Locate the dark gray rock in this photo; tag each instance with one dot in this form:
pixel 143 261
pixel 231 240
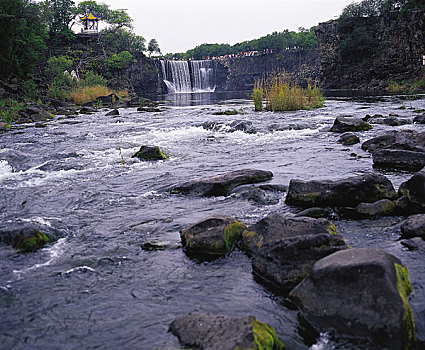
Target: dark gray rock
pixel 107 101
pixel 242 125
pixel 211 237
pixel 415 243
pixel 414 192
pixel 414 226
pixel 112 113
pixel 406 139
pixel 149 153
pixel 256 194
pixel 399 159
pixel 345 124
pixel 55 103
pixel 149 109
pixel 221 185
pixel 348 192
pixel 316 213
pixel 217 332
pixel 348 139
pixel 384 207
pixel 87 110
pixel 28 239
pixel 160 245
pixel 89 104
pixel 33 109
pixel 420 119
pixel 375 116
pixel 360 293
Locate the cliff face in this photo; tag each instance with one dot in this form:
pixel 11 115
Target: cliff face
pixel 392 53
pixel 241 74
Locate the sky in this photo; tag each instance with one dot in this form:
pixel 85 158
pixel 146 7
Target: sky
pixel 180 25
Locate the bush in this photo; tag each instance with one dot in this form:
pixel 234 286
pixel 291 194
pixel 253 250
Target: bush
pixel 10 109
pixel 257 95
pixel 93 79
pixel 88 93
pixel 57 65
pixel 119 61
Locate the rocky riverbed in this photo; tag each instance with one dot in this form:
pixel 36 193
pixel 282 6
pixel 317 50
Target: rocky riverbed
pixel 99 248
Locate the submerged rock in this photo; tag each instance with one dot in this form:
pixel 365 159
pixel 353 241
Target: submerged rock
pixel 221 185
pixel 345 124
pixel 213 332
pixel 399 159
pixel 348 139
pixel 348 192
pixel 211 237
pixel 414 226
pixel 27 239
pixel 149 153
pixel 360 293
pixel 227 112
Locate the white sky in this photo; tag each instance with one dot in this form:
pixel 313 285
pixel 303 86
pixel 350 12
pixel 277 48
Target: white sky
pixel 179 25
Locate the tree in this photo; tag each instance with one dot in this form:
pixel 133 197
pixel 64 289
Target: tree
pixel 153 46
pixel 59 17
pixel 22 38
pixel 120 39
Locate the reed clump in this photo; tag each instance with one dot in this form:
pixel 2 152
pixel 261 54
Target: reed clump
pixel 281 94
pixel 88 93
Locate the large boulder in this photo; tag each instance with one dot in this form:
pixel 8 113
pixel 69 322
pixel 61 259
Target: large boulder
pixel 348 192
pixel 348 139
pixel 106 101
pixel 149 153
pixel 407 140
pixel 414 226
pixel 384 207
pixel 219 332
pixel 399 159
pixel 211 237
pixel 221 185
pixel 360 293
pixel 284 249
pixel 345 124
pixel 412 193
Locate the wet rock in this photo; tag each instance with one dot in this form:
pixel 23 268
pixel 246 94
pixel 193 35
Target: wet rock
pixel 40 125
pixel 348 192
pixel 33 109
pixel 414 226
pixel 345 124
pixel 415 243
pixel 384 207
pixel 227 112
pixel 414 192
pixel 56 103
pixel 88 110
pixel 406 139
pixel 360 293
pixel 213 332
pixel 89 104
pixel 221 185
pixel 378 142
pixel 375 116
pixel 316 213
pixel 27 239
pixel 106 101
pixel 211 237
pixel 149 153
pixel 256 194
pixel 242 125
pixel 112 113
pixel 348 139
pixel 149 109
pixel 420 119
pixel 4 126
pixel 160 245
pixel 399 159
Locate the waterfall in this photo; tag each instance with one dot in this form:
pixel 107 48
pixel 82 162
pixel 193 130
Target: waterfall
pixel 188 76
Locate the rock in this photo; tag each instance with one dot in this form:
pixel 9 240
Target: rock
pixel 348 192
pixel 27 239
pixel 87 110
pixel 149 109
pixel 221 185
pixel 211 237
pixel 149 153
pixel 316 213
pixel 420 119
pixel 414 192
pixel 398 159
pixel 11 88
pixel 414 226
pixel 378 142
pixel 106 101
pixel 56 103
pixel 160 245
pixel 89 104
pixel 256 194
pixel 4 126
pixel 227 112
pixel 40 125
pixel 344 124
pixel 348 139
pixel 214 332
pixel 375 116
pixel 114 112
pixel 33 109
pixel 275 227
pixel 360 293
pixel 406 139
pixel 415 243
pixel 242 125
pixel 384 207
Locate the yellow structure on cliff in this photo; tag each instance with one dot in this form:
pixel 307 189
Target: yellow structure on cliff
pixel 90 23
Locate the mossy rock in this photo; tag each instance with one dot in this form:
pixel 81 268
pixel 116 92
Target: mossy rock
pixel 149 153
pixel 31 241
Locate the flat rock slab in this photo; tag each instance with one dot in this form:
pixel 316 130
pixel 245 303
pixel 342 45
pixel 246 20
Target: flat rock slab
pixel 218 332
pixel 360 293
pixel 406 139
pixel 221 185
pixel 348 192
pixel 414 226
pixel 345 124
pixel 211 237
pixel 384 207
pixel 399 159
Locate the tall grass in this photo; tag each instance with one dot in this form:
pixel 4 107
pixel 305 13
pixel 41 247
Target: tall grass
pixel 282 95
pixel 88 93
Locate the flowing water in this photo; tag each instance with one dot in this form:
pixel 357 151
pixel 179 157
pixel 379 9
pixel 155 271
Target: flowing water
pixel 96 287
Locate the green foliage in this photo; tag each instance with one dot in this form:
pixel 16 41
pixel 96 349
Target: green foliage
pixel 59 16
pixel 22 38
pixel 57 65
pixel 358 45
pixel 93 79
pixel 153 46
pixel 257 96
pixel 117 40
pixel 119 61
pixel 10 109
pixel 369 8
pixel 29 88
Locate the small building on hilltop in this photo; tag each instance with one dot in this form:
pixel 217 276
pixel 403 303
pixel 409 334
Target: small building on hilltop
pixel 90 23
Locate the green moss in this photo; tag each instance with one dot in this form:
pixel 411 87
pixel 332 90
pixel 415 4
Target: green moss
pixel 29 244
pixel 231 232
pixel 404 289
pixel 388 208
pixel 265 337
pixel 307 197
pixel 332 229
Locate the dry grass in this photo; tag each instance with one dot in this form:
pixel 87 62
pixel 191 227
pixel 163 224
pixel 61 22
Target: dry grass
pixel 88 93
pixel 282 95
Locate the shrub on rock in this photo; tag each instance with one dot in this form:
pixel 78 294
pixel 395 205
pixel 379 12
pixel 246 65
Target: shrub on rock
pixel 208 332
pixel 360 293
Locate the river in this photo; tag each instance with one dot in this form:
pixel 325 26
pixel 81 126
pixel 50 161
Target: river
pixel 96 287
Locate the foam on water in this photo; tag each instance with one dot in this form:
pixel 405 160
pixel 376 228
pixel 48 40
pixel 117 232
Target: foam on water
pixel 6 170
pixel 324 342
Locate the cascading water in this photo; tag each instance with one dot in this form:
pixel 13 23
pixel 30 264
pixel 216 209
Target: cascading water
pixel 188 76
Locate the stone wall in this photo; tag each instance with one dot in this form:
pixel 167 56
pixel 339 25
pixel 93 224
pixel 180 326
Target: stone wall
pixel 396 57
